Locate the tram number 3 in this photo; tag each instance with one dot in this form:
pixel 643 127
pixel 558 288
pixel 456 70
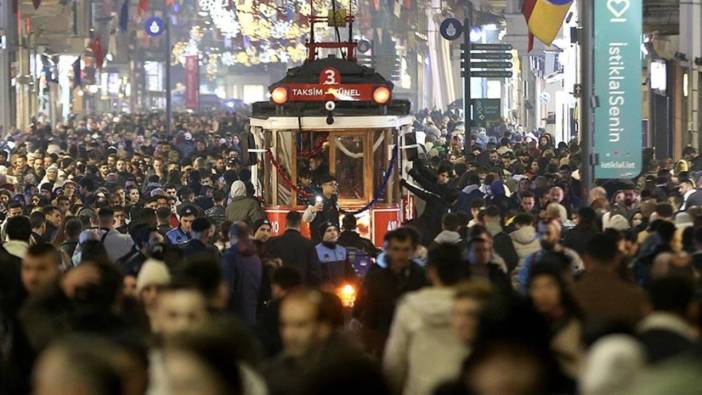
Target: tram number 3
pixel 330 76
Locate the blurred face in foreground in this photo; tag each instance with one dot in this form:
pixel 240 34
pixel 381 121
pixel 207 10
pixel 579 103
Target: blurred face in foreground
pixel 38 272
pixel 186 374
pixel 178 311
pixel 299 327
pixel 465 318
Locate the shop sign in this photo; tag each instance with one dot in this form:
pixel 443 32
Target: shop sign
pixel 617 131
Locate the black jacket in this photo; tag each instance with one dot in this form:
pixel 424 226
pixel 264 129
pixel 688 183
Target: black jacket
pixel 351 239
pixel 429 223
pixel 296 251
pixel 380 292
pixel 578 238
pixel 198 248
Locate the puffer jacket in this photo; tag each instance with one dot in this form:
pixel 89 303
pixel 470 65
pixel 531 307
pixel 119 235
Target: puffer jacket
pixel 525 241
pixel 422 352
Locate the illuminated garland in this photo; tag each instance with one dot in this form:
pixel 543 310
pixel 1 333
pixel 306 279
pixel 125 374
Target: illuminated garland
pixel 284 176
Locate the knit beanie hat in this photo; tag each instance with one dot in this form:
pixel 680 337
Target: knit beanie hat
pixel 153 272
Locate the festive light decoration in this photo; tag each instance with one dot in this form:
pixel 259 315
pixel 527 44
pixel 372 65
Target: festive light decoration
pixel 268 31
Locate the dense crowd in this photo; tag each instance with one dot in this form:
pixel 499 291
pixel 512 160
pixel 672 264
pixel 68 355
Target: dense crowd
pixel 135 261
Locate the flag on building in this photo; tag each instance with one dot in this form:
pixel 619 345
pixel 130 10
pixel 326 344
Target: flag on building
pixel 124 16
pixel 77 78
pixel 96 46
pixel 545 18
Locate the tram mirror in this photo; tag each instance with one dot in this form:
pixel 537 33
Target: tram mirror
pixel 248 142
pixel 411 140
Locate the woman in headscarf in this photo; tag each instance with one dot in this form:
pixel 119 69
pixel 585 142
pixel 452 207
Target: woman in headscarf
pixel 242 205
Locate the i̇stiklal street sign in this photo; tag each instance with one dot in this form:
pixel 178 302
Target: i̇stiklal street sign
pixel 617 133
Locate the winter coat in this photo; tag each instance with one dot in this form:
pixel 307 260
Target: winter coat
pixel 467 196
pixel 296 251
pixel 242 271
pixel 334 264
pixel 244 209
pixel 525 241
pixel 422 351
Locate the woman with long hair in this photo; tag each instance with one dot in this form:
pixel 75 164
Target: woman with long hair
pixel 550 297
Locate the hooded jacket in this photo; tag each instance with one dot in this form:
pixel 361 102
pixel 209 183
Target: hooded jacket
pixel 242 270
pixel 525 241
pixel 242 207
pixel 422 352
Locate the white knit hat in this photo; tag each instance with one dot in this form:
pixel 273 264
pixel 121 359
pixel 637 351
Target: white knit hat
pixel 152 272
pixel 618 222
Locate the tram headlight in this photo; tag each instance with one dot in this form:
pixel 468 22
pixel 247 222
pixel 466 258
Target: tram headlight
pixel 330 106
pixel 381 95
pixel 279 95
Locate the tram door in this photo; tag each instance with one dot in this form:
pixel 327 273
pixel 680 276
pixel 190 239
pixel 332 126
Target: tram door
pixel 350 161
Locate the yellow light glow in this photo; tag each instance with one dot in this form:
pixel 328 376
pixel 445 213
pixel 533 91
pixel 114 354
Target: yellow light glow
pixel 279 95
pixel 381 95
pixel 347 294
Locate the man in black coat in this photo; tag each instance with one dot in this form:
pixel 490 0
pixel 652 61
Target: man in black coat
pixel 295 250
pixel 385 285
pixel 202 231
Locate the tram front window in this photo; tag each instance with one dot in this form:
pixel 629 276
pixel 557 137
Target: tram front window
pixel 349 167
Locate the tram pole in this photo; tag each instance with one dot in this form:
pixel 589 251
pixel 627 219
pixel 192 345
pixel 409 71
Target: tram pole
pixel 167 65
pixel 586 102
pixel 467 115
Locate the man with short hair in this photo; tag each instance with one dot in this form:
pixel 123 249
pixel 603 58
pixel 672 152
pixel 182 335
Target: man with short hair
pixel 450 225
pixel 217 214
pixel 19 233
pixel 72 236
pixel 295 250
pixel 38 220
pixel 333 258
pixel 181 234
pixel 117 245
pixel 324 210
pixel 601 293
pixel 349 238
pixel 284 280
pixel 40 268
pixel 179 308
pixel 384 286
pixel 502 243
pixel 163 216
pixel 202 231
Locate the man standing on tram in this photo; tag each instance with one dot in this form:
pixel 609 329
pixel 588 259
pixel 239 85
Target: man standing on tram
pixel 325 209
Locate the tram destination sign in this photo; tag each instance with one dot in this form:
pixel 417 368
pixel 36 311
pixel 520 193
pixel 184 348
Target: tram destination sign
pixel 321 92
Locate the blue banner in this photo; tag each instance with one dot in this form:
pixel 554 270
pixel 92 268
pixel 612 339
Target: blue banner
pixel 617 132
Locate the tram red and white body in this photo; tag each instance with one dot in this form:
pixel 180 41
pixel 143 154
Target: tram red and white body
pixel 344 112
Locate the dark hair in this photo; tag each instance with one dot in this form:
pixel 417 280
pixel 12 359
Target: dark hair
pixel 37 220
pixel 163 213
pixel 94 251
pixel 523 219
pixel 73 227
pixel 526 194
pixel 201 271
pixel 105 213
pixel 555 271
pixel 664 210
pixel 201 224
pixel 293 219
pixel 671 294
pixel 44 249
pixel 445 168
pixel 49 209
pixel 349 222
pixel 447 260
pixel 218 196
pixel 286 277
pixel 403 234
pixel 603 249
pixel 451 222
pixel 19 228
pixel 588 216
pixel 492 212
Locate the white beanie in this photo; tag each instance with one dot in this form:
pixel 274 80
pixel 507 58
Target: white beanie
pixel 611 365
pixel 618 222
pixel 238 189
pixel 152 272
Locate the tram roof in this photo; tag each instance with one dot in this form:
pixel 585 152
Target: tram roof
pixel 351 73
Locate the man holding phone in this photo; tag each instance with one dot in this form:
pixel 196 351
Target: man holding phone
pixel 325 209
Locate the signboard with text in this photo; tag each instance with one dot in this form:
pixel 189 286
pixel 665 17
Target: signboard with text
pixel 617 57
pixel 192 81
pixel 486 111
pixel 330 87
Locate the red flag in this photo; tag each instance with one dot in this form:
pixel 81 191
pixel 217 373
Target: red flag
pixel 36 3
pixel 96 47
pixel 170 3
pixel 143 7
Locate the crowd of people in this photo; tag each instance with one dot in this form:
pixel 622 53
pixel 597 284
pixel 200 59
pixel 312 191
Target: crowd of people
pixel 135 261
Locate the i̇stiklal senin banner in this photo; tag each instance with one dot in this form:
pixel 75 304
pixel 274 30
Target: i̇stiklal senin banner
pixel 617 133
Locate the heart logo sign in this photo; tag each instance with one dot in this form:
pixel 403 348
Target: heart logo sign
pixel 618 7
